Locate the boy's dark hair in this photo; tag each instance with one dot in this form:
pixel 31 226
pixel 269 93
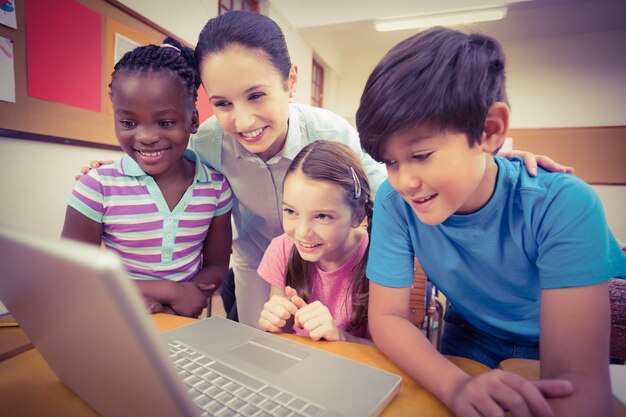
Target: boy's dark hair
pixel 440 76
pixel 249 29
pixel 170 57
pixel 336 163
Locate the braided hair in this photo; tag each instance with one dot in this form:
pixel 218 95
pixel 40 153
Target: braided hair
pixel 170 57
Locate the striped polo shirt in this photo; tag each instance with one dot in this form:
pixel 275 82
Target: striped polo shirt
pixel 153 241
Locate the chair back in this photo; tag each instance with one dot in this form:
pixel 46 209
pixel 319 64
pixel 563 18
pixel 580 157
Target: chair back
pixel 417 303
pixel 617 296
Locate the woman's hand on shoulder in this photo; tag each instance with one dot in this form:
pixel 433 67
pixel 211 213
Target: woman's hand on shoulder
pixel 531 161
pixel 496 392
pixel 92 165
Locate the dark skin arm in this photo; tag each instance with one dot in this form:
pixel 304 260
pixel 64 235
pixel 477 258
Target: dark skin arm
pixel 80 227
pixel 190 298
pixel 185 298
pixel 77 226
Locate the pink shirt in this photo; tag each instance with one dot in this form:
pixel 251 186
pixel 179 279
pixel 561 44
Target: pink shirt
pixel 330 288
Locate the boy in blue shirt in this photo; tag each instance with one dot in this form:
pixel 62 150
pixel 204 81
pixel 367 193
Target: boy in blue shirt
pixel 517 256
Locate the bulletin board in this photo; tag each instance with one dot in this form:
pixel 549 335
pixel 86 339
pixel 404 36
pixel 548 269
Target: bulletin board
pixel 63 52
pixel 598 154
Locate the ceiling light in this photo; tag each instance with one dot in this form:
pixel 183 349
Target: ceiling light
pixel 440 19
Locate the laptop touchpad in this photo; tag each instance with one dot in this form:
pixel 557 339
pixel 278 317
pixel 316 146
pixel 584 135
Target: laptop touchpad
pixel 272 357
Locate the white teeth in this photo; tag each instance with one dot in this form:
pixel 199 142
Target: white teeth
pixel 252 134
pixel 150 154
pixel 422 200
pixel 308 245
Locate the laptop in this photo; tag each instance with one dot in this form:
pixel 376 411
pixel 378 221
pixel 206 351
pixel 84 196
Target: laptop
pixel 88 321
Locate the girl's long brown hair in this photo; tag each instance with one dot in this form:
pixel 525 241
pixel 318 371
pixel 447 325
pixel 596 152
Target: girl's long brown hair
pixel 334 162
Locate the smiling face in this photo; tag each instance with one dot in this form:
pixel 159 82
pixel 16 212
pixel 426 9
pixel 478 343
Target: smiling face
pixel 154 117
pixel 438 174
pixel 319 221
pixel 250 98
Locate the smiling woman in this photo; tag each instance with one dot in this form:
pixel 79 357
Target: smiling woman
pixel 255 134
pixel 250 98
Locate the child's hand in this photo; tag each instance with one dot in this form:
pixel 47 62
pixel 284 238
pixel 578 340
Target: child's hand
pixel 315 318
pixel 190 298
pixel 496 392
pixel 92 165
pixel 276 312
pixel 153 305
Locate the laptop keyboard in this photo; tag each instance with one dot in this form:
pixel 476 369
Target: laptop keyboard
pixel 221 391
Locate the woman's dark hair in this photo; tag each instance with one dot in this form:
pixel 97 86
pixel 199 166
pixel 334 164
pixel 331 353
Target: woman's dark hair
pixel 336 163
pixel 440 76
pixel 249 29
pixel 170 57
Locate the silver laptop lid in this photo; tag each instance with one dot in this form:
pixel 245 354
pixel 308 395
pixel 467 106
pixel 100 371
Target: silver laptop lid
pixel 88 321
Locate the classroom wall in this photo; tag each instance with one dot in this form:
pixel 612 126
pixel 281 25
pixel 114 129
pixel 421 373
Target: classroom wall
pixel 300 53
pixel 564 81
pixel 36 179
pixel 568 81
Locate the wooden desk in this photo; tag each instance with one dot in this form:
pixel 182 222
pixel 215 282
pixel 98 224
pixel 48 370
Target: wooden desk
pixel 28 387
pixel 13 341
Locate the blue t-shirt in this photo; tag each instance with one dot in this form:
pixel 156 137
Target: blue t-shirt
pixel 534 233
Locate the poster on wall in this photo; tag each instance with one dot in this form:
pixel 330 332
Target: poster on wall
pixel 123 45
pixel 71 74
pixel 120 39
pixel 7 71
pixel 7 13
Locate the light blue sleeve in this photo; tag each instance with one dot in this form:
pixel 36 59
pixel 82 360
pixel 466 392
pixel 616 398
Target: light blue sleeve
pixel 376 172
pixel 207 143
pixel 575 245
pixel 87 197
pixel 225 200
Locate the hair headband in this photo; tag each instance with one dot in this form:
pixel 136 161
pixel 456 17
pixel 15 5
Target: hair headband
pixel 167 45
pixel 357 184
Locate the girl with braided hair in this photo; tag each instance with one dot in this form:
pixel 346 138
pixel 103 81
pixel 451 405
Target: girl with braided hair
pixel 159 208
pixel 316 269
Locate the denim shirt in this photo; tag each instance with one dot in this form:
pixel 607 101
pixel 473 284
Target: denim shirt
pixel 258 185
